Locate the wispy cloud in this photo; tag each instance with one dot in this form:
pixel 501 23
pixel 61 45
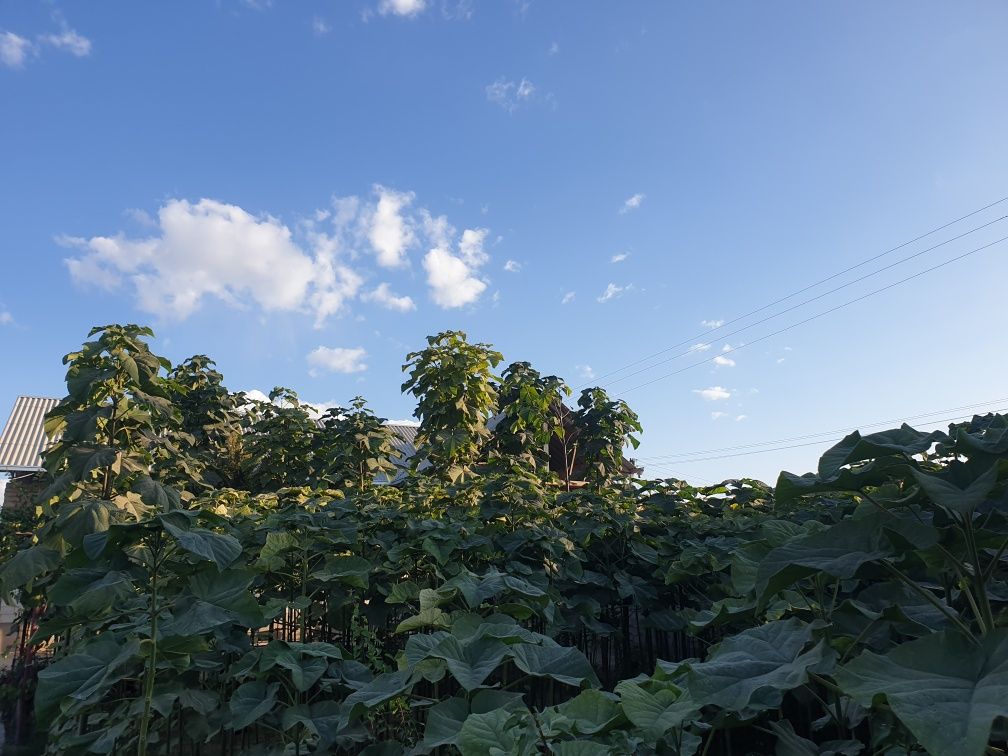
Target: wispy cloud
pixel 320 27
pixel 512 266
pixel 510 95
pixel 700 347
pixel 722 361
pixel 618 258
pixel 568 298
pixel 383 295
pixel 632 203
pixel 712 323
pixel 717 415
pixel 5 317
pixel 554 48
pixel 402 8
pixel 336 360
pixel 713 394
pixel 740 418
pixel 612 291
pixel 585 372
pixel 14 49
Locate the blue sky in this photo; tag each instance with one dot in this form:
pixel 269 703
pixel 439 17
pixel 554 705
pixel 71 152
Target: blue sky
pixel 305 190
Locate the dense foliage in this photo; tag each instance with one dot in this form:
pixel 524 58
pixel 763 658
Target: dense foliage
pixel 218 575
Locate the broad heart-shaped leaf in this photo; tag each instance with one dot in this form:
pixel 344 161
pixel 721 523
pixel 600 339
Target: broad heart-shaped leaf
pixel 655 712
pixel 497 733
pixel 561 663
pixel 588 713
pixel 82 675
pixel 791 744
pixel 87 591
pixel 156 494
pixel 81 518
pixel 874 473
pixel 838 552
pixel 251 701
pixel 220 549
pixel 946 690
pixel 229 590
pixel 948 495
pixel 470 662
pixel 751 671
pixel 349 570
pixel 444 721
pixel 26 565
pixel 903 441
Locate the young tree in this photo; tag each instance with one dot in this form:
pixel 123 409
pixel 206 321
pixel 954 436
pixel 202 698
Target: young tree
pixel 352 446
pixel 116 424
pixel 210 415
pixel 605 427
pixel 531 415
pixel 454 383
pixel 280 439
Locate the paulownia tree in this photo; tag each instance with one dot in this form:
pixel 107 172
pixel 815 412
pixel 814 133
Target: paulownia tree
pixel 531 416
pixel 605 427
pixel 455 385
pixel 352 446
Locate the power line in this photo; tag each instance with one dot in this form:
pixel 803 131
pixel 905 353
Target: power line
pixel 807 443
pixel 818 315
pixel 846 429
pixel 805 302
pixel 805 288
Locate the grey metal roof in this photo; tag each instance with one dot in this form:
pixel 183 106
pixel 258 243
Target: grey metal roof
pixel 23 439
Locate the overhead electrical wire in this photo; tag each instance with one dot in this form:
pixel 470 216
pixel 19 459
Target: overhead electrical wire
pixel 797 446
pixel 818 315
pixel 673 458
pixel 795 293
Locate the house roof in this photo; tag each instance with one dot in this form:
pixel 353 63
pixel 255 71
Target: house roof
pixel 24 440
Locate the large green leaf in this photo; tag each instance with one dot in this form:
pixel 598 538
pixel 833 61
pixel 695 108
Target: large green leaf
pixel 751 671
pixel 497 733
pixel 26 565
pixel 221 549
pixel 87 591
pixel 945 689
pixel 839 552
pixel 251 701
pixel 949 495
pixel 561 663
pixel 658 711
pixel 444 721
pixel 82 675
pixel 470 662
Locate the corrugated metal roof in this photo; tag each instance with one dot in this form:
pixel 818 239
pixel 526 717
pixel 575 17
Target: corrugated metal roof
pixel 23 439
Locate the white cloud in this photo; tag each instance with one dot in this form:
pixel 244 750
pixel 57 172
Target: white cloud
pixel 632 203
pixel 585 371
pixel 722 361
pixel 209 249
pixel 780 360
pixel 568 298
pixel 712 323
pixel 619 258
pixel 471 246
pixel 461 10
pixel 510 95
pixel 612 291
pixel 714 393
pixel 717 415
pixel 336 360
pixel 319 26
pixel 452 280
pixel 68 40
pixel 384 296
pixel 389 232
pixel 512 266
pixel 740 418
pixel 204 249
pixel 405 8
pixel 700 347
pixel 726 348
pixel 14 49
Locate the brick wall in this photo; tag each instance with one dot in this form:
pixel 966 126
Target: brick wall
pixel 21 491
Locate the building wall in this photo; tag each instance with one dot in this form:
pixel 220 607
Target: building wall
pixel 21 491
